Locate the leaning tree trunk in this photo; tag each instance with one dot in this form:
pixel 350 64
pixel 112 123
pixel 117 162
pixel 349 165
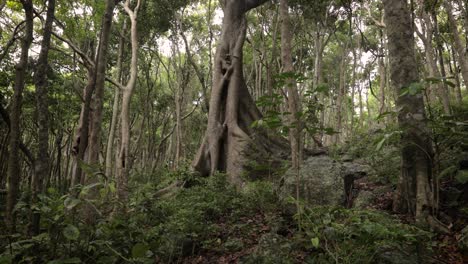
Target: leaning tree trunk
pixel 13 171
pixel 414 193
pixel 229 134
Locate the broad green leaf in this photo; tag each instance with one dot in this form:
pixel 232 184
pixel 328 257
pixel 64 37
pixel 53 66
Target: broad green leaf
pixel 6 259
pixel 448 171
pixel 381 116
pixel 139 250
pixel 451 84
pixel 415 88
pixel 315 242
pixel 380 144
pixel 71 202
pixel 71 232
pixel 462 177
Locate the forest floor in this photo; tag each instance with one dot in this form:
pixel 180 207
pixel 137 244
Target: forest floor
pixel 246 235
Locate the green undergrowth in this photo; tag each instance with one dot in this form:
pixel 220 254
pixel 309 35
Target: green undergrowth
pixel 341 235
pixel 210 220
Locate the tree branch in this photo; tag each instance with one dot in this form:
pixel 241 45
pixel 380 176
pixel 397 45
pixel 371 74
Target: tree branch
pixel 11 41
pixel 2 5
pixel 6 117
pixel 88 62
pixel 116 83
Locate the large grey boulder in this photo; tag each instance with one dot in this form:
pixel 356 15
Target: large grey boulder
pixel 323 180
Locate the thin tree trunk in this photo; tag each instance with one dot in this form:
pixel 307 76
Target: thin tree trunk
pixel 361 107
pixel 383 75
pixel 341 96
pixel 455 73
pixel 14 169
pixel 115 107
pixel 293 95
pixel 461 51
pixel 123 163
pixel 42 102
pixel 444 92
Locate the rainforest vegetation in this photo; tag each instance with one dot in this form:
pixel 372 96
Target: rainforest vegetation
pixel 234 131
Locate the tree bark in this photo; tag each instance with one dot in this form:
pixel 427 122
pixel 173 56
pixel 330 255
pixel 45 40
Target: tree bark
pixel 115 106
pixel 431 59
pixel 232 109
pixel 123 163
pixel 100 77
pixel 293 95
pixel 82 134
pixel 455 73
pixel 14 170
pixel 461 52
pixel 444 91
pixel 42 107
pixel 414 192
pixel 341 96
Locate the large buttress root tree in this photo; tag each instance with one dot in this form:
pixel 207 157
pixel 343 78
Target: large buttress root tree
pixel 229 135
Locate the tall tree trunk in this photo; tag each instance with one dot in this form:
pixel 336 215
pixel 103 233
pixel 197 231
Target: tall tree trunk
pixel 429 32
pixel 361 107
pixel 232 109
pixel 100 77
pixel 293 95
pixel 455 73
pixel 200 74
pixel 461 52
pixel 81 140
pixel 270 64
pixel 14 170
pixel 123 163
pixel 42 160
pixel 414 192
pixel 319 44
pixel 341 96
pixel 444 92
pixel 382 74
pixel 115 106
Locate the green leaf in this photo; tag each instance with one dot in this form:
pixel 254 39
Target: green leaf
pixel 330 131
pixel 415 88
pixel 139 250
pixel 6 259
pixel 380 144
pixel 71 232
pixel 381 116
pixel 449 83
pixel 404 91
pixel 462 177
pixel 315 242
pixel 323 88
pixel 450 171
pixel 71 202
